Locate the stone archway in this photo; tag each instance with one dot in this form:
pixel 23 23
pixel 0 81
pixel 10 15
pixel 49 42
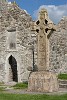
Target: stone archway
pixel 13 76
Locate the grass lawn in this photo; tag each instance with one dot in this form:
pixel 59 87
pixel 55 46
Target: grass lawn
pixel 62 76
pixel 32 97
pixel 21 86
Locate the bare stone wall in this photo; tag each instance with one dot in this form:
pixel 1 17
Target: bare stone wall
pixel 16 18
pixel 58 47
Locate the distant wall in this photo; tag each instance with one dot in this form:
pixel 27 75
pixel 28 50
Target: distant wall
pixel 58 47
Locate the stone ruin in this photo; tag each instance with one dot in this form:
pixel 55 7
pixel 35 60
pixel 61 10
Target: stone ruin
pixel 27 46
pixel 15 43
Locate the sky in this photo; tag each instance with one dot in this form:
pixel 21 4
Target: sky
pixel 56 8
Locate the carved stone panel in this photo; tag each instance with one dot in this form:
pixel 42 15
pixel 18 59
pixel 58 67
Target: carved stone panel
pixel 43 81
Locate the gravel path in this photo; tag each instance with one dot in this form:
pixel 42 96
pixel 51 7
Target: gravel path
pixel 9 89
pixel 25 91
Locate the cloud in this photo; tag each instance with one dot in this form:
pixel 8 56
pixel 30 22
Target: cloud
pixel 55 12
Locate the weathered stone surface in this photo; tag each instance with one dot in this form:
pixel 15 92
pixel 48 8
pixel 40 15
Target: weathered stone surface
pixel 15 40
pixel 58 48
pixel 43 28
pixel 43 81
pixel 16 26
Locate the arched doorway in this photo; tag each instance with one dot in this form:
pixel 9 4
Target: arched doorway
pixel 13 69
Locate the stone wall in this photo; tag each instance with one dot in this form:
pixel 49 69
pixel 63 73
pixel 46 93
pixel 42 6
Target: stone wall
pixel 58 47
pixel 15 18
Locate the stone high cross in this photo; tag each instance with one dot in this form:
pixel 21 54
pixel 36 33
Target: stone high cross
pixel 43 27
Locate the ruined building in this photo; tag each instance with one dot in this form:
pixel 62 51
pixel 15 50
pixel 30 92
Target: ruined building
pixel 18 43
pixel 15 43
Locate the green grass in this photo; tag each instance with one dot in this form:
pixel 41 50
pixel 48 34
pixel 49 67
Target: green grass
pixel 21 86
pixel 2 88
pixel 32 97
pixel 62 76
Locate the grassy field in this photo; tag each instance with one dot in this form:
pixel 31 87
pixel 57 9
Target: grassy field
pixel 32 97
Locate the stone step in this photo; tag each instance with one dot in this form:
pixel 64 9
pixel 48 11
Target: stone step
pixel 62 85
pixel 62 81
pixel 3 86
pixel 10 83
pixel 8 86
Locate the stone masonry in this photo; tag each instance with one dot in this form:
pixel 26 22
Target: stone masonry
pixel 58 48
pixel 18 44
pixel 43 81
pixel 15 42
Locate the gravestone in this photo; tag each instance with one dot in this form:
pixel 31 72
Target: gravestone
pixel 43 80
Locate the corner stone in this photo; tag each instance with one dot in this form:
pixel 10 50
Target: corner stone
pixel 43 82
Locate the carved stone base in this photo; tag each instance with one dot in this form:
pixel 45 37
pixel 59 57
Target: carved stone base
pixel 43 81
